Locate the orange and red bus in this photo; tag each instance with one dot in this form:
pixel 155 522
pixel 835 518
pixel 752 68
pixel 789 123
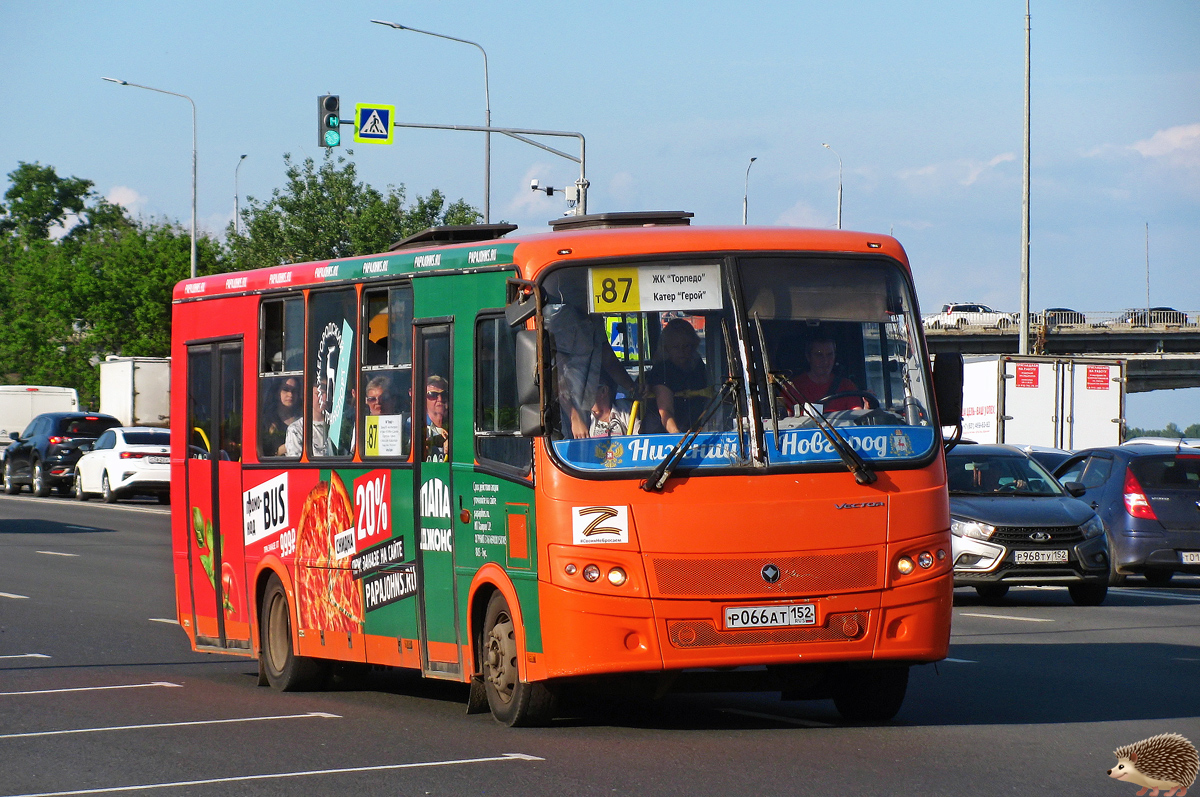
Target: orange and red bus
pixel 522 462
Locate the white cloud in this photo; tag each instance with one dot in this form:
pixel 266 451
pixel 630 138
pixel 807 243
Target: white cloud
pixel 622 188
pixel 526 202
pixel 127 198
pixel 921 171
pixel 1177 146
pixel 975 168
pixel 803 214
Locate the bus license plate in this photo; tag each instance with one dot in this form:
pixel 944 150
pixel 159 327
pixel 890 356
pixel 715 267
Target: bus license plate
pixel 1190 557
pixel 770 616
pixel 159 460
pixel 1035 557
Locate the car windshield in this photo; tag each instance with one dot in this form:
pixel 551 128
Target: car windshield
pixel 640 353
pixel 88 427
pixel 981 473
pixel 148 438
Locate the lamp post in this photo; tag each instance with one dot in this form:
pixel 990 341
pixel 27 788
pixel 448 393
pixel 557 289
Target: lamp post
pixel 1023 328
pixel 235 194
pixel 487 101
pixel 189 99
pixel 839 157
pixel 746 195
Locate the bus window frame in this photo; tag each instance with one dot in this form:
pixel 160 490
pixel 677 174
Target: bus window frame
pixel 403 399
pixel 352 379
pixel 492 465
pixel 260 375
pixel 750 367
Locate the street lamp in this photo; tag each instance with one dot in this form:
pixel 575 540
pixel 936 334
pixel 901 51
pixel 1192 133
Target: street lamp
pixel 487 100
pixel 839 157
pixel 235 194
pixel 746 195
pixel 189 99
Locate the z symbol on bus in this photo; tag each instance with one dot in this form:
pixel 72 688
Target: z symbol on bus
pixel 602 514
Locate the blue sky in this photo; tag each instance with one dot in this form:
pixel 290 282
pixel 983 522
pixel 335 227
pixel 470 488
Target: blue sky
pixel 922 100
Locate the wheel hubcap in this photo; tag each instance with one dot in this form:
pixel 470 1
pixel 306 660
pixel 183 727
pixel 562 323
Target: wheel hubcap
pixel 500 659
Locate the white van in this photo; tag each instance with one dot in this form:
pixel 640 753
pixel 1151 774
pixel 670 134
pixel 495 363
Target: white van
pixel 20 403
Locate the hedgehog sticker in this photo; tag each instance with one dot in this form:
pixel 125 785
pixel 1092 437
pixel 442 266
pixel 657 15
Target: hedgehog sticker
pixel 1167 761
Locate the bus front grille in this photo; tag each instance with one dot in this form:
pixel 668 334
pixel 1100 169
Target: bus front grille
pixel 809 574
pixel 841 627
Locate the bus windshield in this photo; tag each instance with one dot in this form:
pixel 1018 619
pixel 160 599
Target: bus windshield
pixel 749 352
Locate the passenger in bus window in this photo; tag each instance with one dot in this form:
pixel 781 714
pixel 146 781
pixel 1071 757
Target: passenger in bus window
pixel 678 378
pixel 284 409
pixel 380 399
pixel 610 416
pixel 582 354
pixel 437 436
pixel 819 380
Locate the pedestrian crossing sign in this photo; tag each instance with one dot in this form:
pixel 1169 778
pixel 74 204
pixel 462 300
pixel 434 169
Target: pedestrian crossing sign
pixel 373 123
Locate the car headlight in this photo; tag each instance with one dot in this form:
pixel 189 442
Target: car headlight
pixel 962 527
pixel 1092 527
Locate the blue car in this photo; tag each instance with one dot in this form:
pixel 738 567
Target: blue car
pixel 1148 496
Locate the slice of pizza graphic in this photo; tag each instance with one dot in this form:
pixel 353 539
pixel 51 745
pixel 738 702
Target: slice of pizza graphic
pixel 327 597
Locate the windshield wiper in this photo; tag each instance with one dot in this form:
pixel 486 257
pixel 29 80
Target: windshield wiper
pixel 655 482
pixel 850 458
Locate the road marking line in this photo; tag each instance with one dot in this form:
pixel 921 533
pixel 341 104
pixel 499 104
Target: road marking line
pixel 1146 593
pixel 960 661
pixel 17 597
pixel 1008 617
pixel 163 620
pixel 88 688
pixel 309 715
pixel 279 775
pixel 777 718
pixel 26 656
pixel 56 553
pixel 85 528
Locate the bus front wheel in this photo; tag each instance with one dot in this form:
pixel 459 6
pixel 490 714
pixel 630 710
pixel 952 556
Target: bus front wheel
pixel 871 694
pixel 513 702
pixel 284 670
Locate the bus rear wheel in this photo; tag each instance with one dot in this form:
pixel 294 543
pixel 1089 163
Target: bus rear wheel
pixel 872 694
pixel 284 670
pixel 513 702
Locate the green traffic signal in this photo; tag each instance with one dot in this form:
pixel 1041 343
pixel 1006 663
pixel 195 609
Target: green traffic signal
pixel 332 121
pixel 329 120
pixel 332 138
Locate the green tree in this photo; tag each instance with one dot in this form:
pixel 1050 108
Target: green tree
pixel 325 212
pixel 38 199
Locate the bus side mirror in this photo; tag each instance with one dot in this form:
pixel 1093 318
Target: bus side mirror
pixel 948 388
pixel 528 394
pixel 522 302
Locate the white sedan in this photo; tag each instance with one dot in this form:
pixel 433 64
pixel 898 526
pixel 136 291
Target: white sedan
pixel 125 461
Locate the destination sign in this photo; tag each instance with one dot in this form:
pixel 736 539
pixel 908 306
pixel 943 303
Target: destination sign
pixel 654 288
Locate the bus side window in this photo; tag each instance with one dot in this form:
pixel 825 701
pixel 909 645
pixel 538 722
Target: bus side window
pixel 281 378
pixel 386 376
pixel 331 378
pixel 497 424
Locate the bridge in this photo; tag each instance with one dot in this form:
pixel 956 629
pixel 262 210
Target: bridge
pixel 1159 356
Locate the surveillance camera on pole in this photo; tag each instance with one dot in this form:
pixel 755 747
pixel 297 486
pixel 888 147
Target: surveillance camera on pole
pixel 572 193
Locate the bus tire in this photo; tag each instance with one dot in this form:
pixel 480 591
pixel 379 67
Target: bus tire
pixel 513 702
pixel 870 694
pixel 284 670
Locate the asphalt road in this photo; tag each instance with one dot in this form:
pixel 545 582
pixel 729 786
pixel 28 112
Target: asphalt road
pixel 99 694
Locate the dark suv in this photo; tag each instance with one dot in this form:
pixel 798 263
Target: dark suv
pixel 44 455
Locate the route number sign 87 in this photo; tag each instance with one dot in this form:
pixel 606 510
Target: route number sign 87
pixel 615 290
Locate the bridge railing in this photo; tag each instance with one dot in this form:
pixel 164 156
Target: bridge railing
pixel 1155 318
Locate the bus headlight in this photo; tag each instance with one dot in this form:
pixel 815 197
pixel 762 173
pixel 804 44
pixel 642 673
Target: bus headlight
pixel 905 565
pixel 591 573
pixel 616 577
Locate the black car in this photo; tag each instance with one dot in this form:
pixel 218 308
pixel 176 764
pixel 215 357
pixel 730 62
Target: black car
pixel 1056 316
pixel 1148 496
pixel 44 455
pixel 1161 316
pixel 1012 523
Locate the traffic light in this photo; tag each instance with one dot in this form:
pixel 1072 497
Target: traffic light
pixel 329 120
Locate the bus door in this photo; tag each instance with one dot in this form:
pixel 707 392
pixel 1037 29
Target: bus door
pixel 216 561
pixel 432 390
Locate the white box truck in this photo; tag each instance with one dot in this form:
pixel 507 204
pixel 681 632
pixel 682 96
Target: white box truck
pixel 20 403
pixel 136 390
pixel 1058 402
